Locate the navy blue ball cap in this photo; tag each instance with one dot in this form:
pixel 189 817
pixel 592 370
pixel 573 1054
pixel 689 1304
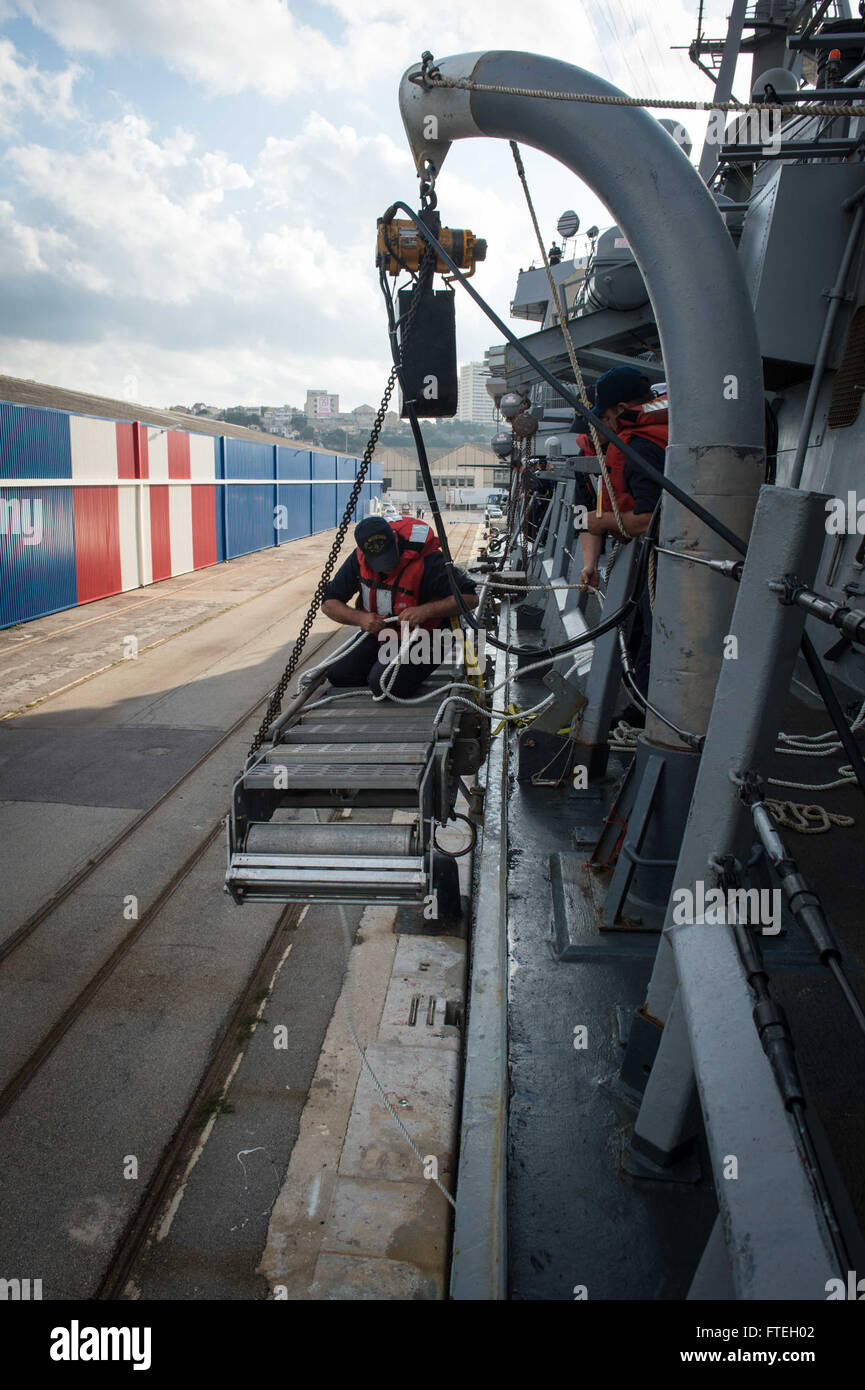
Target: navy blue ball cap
pixel 619 384
pixel 378 542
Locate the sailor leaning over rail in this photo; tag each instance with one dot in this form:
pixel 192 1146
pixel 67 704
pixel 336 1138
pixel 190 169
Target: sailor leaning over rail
pixel 399 575
pixel 625 401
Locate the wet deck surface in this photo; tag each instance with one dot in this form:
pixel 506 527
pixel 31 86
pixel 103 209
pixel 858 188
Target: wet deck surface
pixel 829 1048
pixel 575 1220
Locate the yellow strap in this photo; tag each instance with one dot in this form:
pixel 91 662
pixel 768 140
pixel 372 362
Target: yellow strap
pixel 473 671
pixel 520 723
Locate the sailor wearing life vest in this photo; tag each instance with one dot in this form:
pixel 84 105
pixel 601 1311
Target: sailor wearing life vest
pixel 398 572
pixel 625 401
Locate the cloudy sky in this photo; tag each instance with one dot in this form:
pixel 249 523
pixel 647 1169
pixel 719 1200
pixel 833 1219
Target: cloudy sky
pixel 189 188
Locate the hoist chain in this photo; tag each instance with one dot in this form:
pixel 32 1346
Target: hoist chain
pixel 275 703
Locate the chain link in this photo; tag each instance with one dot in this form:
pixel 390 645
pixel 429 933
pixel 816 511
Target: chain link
pixel 275 703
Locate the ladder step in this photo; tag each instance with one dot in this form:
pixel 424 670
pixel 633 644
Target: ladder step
pixel 306 773
pixel 335 731
pixel 348 841
pixel 372 753
pixel 302 878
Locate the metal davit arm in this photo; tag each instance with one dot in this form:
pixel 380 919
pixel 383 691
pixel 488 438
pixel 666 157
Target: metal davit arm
pixel 775 1241
pixel 700 300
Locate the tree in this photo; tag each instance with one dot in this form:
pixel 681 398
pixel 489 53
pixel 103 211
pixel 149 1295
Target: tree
pixel 237 415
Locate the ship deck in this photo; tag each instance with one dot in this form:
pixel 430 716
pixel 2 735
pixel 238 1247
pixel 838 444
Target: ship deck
pixel 576 1220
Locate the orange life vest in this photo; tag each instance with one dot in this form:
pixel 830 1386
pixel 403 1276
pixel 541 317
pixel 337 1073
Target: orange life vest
pixel 392 593
pixel 586 445
pixel 649 423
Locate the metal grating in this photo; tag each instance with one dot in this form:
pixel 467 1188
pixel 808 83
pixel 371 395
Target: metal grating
pixel 850 378
pixel 310 774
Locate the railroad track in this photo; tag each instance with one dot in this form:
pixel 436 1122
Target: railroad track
pixel 77 880
pixel 165 1175
pixel 175 1158
pixel 16 647
pixel 25 1073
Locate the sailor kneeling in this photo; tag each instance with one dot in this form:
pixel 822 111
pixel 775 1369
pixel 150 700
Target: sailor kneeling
pixel 398 572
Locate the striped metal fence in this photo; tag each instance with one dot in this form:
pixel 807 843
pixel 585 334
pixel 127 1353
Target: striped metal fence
pixel 91 507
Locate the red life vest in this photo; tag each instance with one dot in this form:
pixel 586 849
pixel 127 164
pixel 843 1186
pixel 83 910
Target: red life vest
pixel 586 446
pixel 651 422
pixel 392 593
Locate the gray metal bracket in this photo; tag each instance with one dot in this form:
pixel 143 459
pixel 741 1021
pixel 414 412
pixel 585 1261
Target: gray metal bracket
pixel 638 821
pixel 602 685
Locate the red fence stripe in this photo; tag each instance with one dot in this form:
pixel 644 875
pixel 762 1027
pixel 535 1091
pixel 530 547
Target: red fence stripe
pixel 96 516
pixel 125 451
pixel 178 455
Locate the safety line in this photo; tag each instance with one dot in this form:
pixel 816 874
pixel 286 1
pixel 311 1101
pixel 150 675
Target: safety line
pixel 467 84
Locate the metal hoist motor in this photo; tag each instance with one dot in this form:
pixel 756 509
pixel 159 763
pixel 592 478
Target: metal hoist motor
pixel 429 353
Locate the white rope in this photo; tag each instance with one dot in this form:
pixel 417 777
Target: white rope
pixel 520 588
pixel 306 676
pixel 807 820
pixel 466 84
pixel 825 745
pixel 624 736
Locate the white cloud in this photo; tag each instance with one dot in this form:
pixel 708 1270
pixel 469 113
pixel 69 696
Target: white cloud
pixel 22 246
pixel 259 45
pixel 224 45
pixel 153 236
pixel 144 252
pixel 331 167
pixel 26 89
pixel 231 374
pixel 144 214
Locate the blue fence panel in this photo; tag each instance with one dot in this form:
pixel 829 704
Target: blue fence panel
pixel 37 537
pixel 323 497
pixel 294 497
pixel 249 509
pixel 346 472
